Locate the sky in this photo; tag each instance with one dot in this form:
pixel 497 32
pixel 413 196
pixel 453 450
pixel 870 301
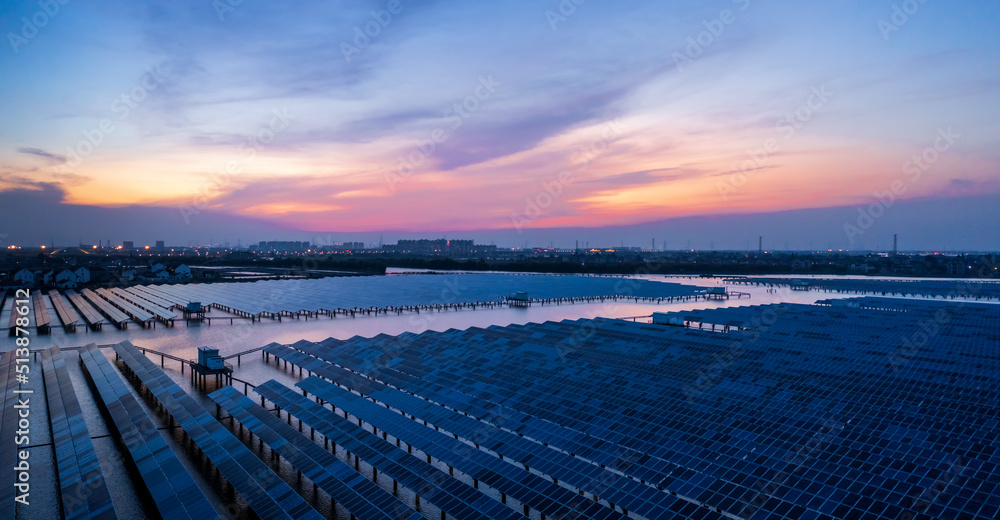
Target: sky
pixel 508 121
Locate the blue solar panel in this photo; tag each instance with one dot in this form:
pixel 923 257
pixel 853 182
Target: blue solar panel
pixel 172 489
pixel 588 477
pixel 433 486
pixel 266 493
pixel 362 294
pixel 807 412
pixel 972 288
pixel 82 491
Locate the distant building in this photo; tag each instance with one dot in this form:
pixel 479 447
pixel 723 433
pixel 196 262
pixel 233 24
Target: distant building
pixel 25 277
pixel 128 244
pixel 182 272
pixel 83 275
pixel 279 246
pixel 67 279
pixel 159 244
pixel 442 247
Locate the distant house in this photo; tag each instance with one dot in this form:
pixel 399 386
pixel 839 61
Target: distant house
pixel 47 278
pixel 182 272
pixel 25 277
pixel 161 275
pixel 128 275
pixel 66 279
pixel 156 268
pixel 83 275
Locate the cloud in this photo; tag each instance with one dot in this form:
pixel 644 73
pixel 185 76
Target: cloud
pixel 644 177
pixel 38 152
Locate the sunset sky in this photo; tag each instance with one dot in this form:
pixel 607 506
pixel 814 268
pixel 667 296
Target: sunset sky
pixel 319 117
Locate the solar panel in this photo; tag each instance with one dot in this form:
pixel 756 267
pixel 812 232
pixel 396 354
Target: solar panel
pixel 363 498
pixel 67 317
pixel 133 311
pixel 591 478
pixel 171 487
pixel 114 315
pixel 973 288
pixel 808 412
pixel 264 491
pixel 82 490
pixel 89 313
pixel 362 294
pixel 42 320
pixel 147 302
pixel 538 493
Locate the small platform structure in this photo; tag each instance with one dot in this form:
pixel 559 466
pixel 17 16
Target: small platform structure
pixel 193 311
pixel 210 363
pixel 519 299
pixel 799 284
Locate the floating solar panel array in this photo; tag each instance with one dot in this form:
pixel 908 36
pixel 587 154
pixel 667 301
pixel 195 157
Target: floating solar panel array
pixel 800 412
pixel 264 491
pixel 975 288
pixel 42 322
pixel 362 497
pixel 65 312
pixel 274 297
pixel 172 489
pixel 82 490
pixel 905 304
pixel 114 315
pixel 140 309
pixel 90 315
pixel 138 314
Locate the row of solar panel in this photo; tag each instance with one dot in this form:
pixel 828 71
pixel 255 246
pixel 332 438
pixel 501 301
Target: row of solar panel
pixel 520 377
pixel 333 293
pixel 171 487
pixel 614 488
pixel 943 288
pixel 82 490
pixel 264 491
